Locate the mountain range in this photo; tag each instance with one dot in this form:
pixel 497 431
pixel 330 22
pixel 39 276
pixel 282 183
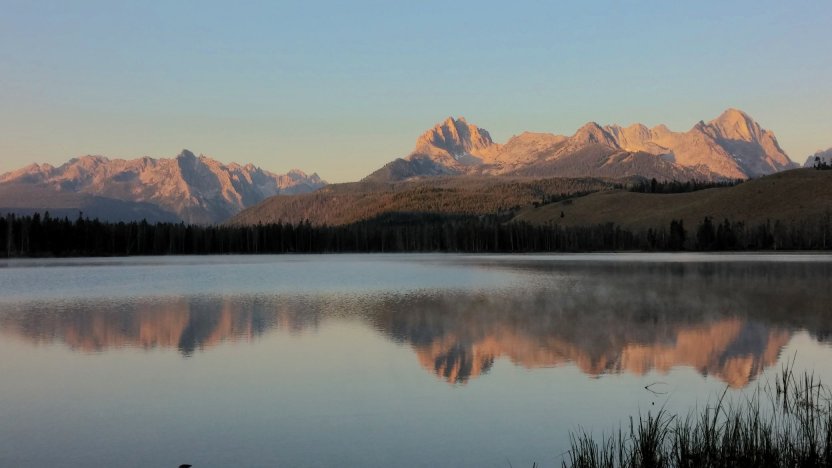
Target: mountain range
pixel 198 189
pixel 731 146
pixel 190 188
pixel 456 168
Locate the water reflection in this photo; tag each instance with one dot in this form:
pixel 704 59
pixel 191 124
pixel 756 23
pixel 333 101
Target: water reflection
pixel 729 320
pixel 185 324
pixel 459 338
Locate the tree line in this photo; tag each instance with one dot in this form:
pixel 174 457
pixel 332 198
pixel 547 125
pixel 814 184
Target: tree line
pixel 675 186
pixel 821 164
pixel 645 186
pixel 45 236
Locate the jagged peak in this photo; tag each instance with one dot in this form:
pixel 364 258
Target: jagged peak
pixel 196 188
pixel 302 176
pixel 735 124
pixel 454 136
pixel 186 153
pixel 661 128
pixel 453 124
pixel 591 128
pixel 91 157
pixel 733 114
pixel 617 130
pixel 31 169
pixel 591 125
pixel 87 162
pixel 591 132
pixel 451 121
pixel 35 167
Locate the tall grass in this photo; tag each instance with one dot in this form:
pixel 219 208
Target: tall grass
pixel 789 425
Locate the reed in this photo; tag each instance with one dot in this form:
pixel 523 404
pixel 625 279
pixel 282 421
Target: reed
pixel 789 425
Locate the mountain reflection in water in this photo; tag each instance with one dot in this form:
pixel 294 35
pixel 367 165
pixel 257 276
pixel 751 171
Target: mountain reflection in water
pixel 729 320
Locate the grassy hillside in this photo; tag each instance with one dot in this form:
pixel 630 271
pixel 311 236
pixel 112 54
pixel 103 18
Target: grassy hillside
pixel 340 204
pixel 790 196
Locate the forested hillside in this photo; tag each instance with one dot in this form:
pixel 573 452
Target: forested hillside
pixel 791 211
pixel 341 204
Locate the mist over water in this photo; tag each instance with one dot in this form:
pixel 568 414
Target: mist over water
pixel 405 360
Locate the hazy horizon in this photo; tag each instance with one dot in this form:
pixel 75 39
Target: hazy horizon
pixel 342 89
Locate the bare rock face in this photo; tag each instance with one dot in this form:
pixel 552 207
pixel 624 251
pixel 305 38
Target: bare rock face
pixel 592 134
pixel 197 189
pixel 732 146
pixel 454 137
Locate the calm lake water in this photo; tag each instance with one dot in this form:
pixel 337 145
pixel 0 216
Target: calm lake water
pixel 383 360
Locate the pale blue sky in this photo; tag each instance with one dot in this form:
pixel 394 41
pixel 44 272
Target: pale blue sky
pixel 343 87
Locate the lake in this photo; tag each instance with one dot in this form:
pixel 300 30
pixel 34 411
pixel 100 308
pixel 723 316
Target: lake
pixel 384 360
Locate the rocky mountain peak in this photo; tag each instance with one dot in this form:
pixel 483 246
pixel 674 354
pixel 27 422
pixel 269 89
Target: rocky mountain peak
pixel 196 189
pixel 592 133
pixel 660 129
pixel 89 160
pixel 186 154
pixel 734 124
pixel 35 167
pixel 732 146
pixel 300 174
pixel 454 136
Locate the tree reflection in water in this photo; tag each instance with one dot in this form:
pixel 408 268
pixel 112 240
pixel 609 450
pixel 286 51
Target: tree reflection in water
pixel 730 320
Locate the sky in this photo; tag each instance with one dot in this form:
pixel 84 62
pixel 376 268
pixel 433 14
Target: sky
pixel 341 88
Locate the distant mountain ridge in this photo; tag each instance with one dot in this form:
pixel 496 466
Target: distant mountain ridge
pixel 198 189
pixel 819 156
pixel 26 199
pixel 194 189
pixel 732 146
